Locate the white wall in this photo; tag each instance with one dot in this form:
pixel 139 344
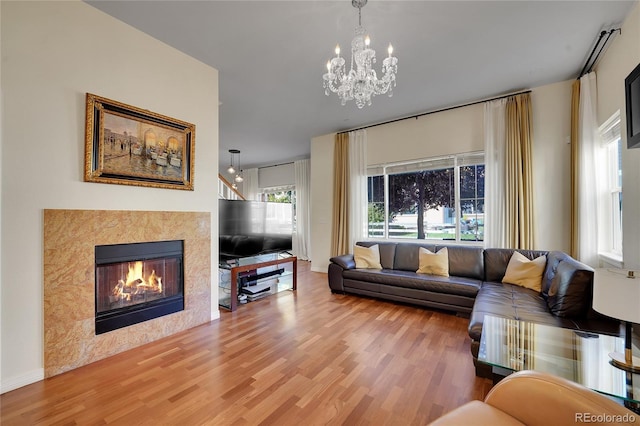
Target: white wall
pixel 449 132
pixel 321 200
pixel 52 54
pixel 280 175
pixel 457 131
pixel 619 60
pixel 552 166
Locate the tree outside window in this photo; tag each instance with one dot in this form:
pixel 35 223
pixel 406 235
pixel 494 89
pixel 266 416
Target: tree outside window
pixel 279 197
pixel 424 195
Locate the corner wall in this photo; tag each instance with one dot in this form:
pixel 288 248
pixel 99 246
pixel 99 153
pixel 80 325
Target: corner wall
pixel 52 54
pixel 619 60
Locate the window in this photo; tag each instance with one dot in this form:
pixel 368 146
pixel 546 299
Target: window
pixel 472 202
pixel 282 214
pixel 420 199
pixel 612 205
pixel 375 191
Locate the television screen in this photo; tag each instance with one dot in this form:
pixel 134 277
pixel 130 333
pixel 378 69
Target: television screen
pixel 632 97
pixel 248 228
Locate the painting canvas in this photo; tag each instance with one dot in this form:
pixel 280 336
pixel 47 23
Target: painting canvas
pixel 131 146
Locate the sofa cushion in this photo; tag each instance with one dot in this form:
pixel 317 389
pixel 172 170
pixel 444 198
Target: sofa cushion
pixel 496 261
pixel 465 261
pixel 553 260
pixel 407 256
pixel 514 302
pixel 452 285
pixel 387 252
pixel 433 263
pixel 367 257
pixel 524 272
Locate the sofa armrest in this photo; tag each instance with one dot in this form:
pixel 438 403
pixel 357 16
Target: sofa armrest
pixel 476 413
pixel 571 291
pixel 346 261
pixel 536 398
pixel 336 282
pixel 337 265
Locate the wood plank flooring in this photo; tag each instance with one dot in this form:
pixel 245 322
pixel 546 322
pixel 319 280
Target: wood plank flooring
pixel 309 357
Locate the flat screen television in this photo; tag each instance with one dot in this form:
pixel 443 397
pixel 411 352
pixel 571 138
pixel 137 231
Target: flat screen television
pixel 632 97
pixel 249 228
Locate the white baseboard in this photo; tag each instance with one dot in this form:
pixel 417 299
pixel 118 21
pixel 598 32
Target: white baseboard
pixel 319 269
pixel 215 314
pixel 21 380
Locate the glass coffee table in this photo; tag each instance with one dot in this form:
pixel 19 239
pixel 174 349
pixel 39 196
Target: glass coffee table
pixel 510 345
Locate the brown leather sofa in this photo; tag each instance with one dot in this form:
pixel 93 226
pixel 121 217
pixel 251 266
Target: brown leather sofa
pixel 538 399
pixel 475 287
pixel 398 280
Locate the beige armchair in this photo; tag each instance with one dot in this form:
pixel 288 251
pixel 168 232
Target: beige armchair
pixel 533 398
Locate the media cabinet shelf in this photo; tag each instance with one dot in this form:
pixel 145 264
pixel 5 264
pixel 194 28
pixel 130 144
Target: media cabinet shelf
pixel 229 289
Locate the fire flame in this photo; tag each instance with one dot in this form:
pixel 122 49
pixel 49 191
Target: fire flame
pixel 136 283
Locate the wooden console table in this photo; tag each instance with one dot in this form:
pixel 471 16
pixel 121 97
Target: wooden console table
pixel 252 263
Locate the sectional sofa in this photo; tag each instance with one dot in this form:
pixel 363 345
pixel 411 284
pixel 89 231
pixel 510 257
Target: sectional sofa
pixel 474 287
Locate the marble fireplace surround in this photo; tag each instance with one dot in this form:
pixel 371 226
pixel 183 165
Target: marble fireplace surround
pixel 69 280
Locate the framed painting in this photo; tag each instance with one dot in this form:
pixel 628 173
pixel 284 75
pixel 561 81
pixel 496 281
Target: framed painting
pixel 127 145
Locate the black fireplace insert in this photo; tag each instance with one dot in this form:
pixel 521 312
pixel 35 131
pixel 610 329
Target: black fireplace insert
pixel 137 282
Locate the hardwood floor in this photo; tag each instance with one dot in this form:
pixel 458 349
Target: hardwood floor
pixel 309 357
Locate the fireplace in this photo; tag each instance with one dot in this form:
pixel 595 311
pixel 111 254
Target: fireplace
pixel 137 282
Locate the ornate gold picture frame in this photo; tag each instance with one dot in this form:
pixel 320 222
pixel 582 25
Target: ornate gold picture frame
pixel 127 145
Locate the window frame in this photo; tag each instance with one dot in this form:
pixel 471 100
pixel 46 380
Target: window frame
pixel 455 161
pixel 611 204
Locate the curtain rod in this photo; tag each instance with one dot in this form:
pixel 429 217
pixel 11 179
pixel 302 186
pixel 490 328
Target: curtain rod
pixel 587 68
pixel 439 110
pixel 276 165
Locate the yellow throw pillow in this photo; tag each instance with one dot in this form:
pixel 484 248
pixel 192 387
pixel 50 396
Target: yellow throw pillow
pixel 367 257
pixel 433 263
pixel 524 272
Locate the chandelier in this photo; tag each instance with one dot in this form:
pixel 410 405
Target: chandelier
pixel 361 82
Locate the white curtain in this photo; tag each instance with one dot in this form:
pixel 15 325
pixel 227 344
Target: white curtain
pixel 250 187
pixel 358 203
pixel 494 154
pixel 301 242
pixel 590 179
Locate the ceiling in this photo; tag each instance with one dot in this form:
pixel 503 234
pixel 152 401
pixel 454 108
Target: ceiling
pixel 271 56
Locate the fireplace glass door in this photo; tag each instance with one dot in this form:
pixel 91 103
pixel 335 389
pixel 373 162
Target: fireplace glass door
pixel 137 282
pixel 124 284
